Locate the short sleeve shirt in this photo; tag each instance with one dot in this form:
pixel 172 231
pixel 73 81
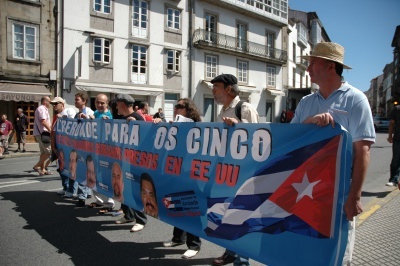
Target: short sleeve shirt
pixel 41 113
pixel 348 106
pixel 98 114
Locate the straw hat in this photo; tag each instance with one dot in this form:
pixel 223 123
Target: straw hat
pixel 330 51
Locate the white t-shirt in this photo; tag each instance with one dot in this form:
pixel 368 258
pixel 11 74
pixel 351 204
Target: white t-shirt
pixel 68 112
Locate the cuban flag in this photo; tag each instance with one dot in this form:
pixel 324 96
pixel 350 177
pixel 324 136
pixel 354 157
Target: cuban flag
pixel 293 193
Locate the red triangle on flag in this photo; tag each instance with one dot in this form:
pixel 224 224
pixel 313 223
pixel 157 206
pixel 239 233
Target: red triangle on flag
pixel 308 192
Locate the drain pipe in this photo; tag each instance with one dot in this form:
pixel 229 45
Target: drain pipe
pixel 190 46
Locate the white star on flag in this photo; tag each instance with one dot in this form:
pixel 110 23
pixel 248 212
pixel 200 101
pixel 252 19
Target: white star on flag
pixel 305 188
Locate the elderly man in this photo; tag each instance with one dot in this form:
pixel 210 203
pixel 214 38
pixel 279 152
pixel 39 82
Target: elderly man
pixel 125 108
pixel 59 107
pixel 42 124
pixel 21 123
pixel 337 102
pixel 226 92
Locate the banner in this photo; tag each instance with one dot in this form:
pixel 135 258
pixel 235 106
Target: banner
pixel 272 192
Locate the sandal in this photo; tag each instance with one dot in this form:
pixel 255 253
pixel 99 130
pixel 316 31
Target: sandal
pixel 94 205
pixel 47 173
pixel 37 169
pixel 105 210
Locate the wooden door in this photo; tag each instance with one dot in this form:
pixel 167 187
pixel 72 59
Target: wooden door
pixel 29 110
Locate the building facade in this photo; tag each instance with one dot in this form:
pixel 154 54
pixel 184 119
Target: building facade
pixel 27 56
pixel 120 47
pixel 305 31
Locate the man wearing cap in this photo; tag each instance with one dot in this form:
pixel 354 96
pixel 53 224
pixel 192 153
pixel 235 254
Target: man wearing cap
pixel 125 108
pixel 337 102
pixel 59 107
pixel 226 92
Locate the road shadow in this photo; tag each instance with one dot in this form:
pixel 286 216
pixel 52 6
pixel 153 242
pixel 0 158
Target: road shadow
pixel 378 195
pixel 56 221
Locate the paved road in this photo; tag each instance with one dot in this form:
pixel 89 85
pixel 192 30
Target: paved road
pixel 38 227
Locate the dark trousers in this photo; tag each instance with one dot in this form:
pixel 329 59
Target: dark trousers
pixel 193 242
pixel 395 164
pixel 133 215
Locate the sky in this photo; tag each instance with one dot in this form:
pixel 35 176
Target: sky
pixel 365 28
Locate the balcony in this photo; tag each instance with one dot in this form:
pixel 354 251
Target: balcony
pixel 269 13
pixel 301 63
pixel 223 43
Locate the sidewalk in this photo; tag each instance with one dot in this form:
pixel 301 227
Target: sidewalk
pixel 32 149
pixel 378 236
pixel 377 233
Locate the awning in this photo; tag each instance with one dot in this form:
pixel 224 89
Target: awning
pixel 276 92
pixel 112 88
pixel 22 92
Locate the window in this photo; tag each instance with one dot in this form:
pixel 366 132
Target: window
pixel 101 50
pixel 173 60
pixel 294 52
pixel 294 77
pixel 301 79
pixel 209 107
pixel 211 27
pixel 211 66
pixel 103 6
pixel 139 18
pixel 270 44
pixel 24 41
pixel 242 71
pixel 269 111
pixel 173 20
pixel 241 36
pixel 271 76
pixel 139 64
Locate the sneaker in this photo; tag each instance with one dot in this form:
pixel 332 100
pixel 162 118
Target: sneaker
pixel 190 253
pixel 6 152
pixel 137 227
pixel 80 203
pixel 223 260
pixel 67 195
pixel 390 184
pixel 172 243
pixel 61 192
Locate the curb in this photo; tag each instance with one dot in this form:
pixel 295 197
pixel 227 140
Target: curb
pixel 375 205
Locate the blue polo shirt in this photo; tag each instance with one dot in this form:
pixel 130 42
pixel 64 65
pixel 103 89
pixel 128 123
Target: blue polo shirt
pixel 348 106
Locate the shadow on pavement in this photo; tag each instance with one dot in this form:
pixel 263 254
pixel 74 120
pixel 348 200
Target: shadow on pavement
pixel 378 195
pixel 56 221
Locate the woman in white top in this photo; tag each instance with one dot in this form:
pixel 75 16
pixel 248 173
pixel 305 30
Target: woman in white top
pixel 185 111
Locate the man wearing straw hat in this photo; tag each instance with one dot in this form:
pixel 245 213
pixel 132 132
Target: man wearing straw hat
pixel 337 102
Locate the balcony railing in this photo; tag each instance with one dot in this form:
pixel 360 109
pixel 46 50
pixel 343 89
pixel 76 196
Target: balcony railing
pixel 228 44
pixel 302 63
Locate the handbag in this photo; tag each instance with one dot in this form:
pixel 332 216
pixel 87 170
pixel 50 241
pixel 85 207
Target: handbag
pixel 45 137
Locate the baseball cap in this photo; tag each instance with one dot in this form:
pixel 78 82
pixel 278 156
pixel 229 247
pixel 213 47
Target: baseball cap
pixel 57 100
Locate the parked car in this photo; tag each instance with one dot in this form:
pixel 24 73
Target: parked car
pixel 381 123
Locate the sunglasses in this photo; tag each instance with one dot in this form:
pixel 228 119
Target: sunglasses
pixel 180 106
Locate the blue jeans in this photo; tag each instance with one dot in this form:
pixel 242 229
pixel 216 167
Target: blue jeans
pixel 64 182
pixel 73 188
pixel 395 164
pixel 239 260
